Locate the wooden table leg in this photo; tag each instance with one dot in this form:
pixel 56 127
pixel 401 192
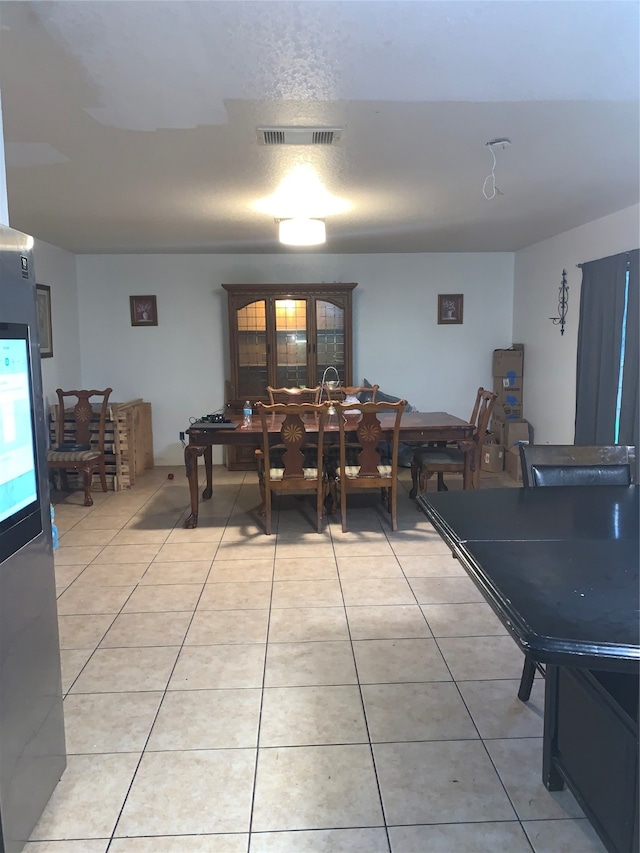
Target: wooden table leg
pixel 468 476
pixel 208 468
pixel 191 453
pixel 551 778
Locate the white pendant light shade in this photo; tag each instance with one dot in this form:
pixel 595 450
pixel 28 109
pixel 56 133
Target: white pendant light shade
pixel 302 232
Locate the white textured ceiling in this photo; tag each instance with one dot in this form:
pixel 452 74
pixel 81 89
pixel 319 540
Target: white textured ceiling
pixel 131 126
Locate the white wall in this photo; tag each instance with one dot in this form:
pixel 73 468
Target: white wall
pixel 550 359
pixel 4 201
pixel 57 268
pixel 180 365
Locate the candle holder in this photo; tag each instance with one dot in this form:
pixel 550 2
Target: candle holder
pixel 329 385
pixel 563 304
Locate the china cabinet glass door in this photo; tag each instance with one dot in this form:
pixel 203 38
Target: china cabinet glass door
pixel 330 349
pixel 252 348
pixel 291 343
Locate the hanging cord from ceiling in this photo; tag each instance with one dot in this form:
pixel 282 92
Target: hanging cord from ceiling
pixel 491 177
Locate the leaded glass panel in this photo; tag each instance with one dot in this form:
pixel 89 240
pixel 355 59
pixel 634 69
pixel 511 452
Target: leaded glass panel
pixel 291 342
pixel 330 338
pixel 252 348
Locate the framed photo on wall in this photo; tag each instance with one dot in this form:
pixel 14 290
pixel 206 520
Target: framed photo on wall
pixel 450 308
pixel 144 310
pixel 43 314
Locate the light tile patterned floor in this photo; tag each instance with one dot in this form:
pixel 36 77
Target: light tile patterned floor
pixel 298 693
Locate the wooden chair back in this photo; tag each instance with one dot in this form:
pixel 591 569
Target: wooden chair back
pixel 359 425
pixel 340 393
pixel 573 465
pixel 481 414
pixel 78 429
pixel 300 425
pixel 294 395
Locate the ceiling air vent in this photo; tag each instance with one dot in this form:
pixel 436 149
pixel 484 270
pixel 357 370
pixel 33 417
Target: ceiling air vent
pixel 298 135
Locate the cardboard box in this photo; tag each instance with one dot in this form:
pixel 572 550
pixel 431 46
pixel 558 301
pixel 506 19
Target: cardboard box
pixel 492 458
pixel 512 464
pixel 516 431
pixel 511 432
pixel 497 429
pixel 508 362
pixel 509 390
pixel 507 411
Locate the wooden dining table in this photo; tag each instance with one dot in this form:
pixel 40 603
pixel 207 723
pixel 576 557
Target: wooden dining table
pixel 415 428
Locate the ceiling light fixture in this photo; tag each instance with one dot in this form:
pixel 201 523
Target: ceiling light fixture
pixel 301 231
pixel 503 142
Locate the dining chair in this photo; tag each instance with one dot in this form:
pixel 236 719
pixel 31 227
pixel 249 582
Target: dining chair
pixel 294 395
pixel 367 468
pixel 79 444
pixel 290 472
pixel 440 460
pixel 571 465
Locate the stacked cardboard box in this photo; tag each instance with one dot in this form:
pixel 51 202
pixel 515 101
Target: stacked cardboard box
pixel 507 370
pixel 492 456
pixel 512 463
pixel 508 425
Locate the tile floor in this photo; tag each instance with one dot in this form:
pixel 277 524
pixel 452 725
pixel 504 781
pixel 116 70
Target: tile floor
pixel 298 693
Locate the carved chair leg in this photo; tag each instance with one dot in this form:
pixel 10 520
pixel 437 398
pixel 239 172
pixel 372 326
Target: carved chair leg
pixel 331 497
pixel 266 511
pixel 102 468
pixel 320 502
pixel 343 507
pixel 64 480
pixel 327 497
pixel 393 509
pixel 263 500
pixel 87 477
pixel 442 487
pixel 526 681
pixel 476 472
pixel 415 470
pixel 261 486
pixel 425 476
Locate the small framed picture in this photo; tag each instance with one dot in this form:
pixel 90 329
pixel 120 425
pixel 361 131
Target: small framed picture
pixel 43 312
pixel 144 310
pixel 450 308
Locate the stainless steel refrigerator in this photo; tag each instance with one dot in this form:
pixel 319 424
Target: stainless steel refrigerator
pixel 32 745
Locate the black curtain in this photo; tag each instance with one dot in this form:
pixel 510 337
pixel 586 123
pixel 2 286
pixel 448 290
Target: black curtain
pixel 629 414
pixel 602 309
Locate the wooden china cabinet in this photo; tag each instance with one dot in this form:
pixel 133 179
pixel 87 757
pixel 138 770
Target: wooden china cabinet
pixel 285 335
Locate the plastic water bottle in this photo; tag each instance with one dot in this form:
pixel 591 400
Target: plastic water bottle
pixel 54 529
pixel 246 414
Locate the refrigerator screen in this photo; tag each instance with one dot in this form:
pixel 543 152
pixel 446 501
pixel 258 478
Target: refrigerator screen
pixel 18 477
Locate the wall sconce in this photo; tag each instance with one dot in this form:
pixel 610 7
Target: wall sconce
pixel 563 304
